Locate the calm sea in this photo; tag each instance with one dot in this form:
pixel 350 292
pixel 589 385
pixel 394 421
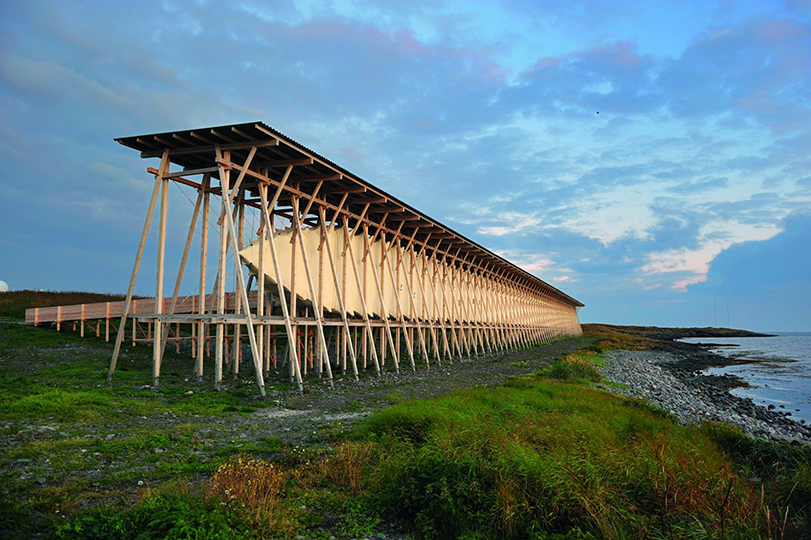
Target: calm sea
pixel 777 368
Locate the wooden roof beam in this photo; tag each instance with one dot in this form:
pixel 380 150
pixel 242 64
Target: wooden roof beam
pixel 221 136
pixel 370 200
pixel 342 190
pixel 184 140
pixel 240 132
pixel 319 178
pixel 285 162
pixel 207 149
pixel 190 172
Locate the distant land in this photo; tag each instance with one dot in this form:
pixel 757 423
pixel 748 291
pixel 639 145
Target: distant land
pixel 656 332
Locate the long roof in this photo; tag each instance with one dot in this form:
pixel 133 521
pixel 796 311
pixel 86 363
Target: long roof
pixel 194 150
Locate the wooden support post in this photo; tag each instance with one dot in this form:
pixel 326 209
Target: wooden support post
pixel 202 329
pixel 107 323
pixel 260 301
pixel 398 303
pixel 323 356
pixel 135 266
pixel 383 314
pixel 367 325
pixel 325 232
pixel 238 268
pixel 269 236
pixel 401 314
pixel 425 312
pixel 157 352
pixel 447 307
pixel 316 300
pixel 436 307
pixel 182 266
pixel 231 229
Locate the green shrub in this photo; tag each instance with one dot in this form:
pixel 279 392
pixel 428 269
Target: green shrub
pixel 573 367
pixel 179 516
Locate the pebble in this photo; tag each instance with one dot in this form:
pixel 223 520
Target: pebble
pixel 656 377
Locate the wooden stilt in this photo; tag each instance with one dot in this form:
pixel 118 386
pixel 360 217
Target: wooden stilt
pixel 325 232
pixel 383 314
pixel 202 329
pixel 367 324
pixel 157 351
pixel 260 382
pixel 182 266
pixel 269 237
pixel 120 336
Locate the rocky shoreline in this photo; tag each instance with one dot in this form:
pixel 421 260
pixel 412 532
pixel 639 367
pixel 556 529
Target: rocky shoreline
pixel 671 377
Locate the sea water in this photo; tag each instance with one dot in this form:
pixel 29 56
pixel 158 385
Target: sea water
pixel 777 369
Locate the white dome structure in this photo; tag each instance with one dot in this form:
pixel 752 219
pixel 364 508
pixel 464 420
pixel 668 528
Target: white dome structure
pixel 3 286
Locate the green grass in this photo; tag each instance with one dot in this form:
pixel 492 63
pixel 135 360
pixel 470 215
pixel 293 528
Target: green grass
pixel 65 378
pixel 575 366
pixel 541 458
pixel 170 516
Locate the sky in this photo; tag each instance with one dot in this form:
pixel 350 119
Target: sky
pixel 651 159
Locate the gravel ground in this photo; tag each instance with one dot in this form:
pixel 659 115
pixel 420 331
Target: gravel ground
pixel 672 378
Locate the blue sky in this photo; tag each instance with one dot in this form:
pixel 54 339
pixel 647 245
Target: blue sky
pixel 652 159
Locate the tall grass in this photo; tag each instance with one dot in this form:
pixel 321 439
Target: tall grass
pixel 537 457
pixel 574 366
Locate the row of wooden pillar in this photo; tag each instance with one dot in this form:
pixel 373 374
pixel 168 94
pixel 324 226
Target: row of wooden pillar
pixel 500 313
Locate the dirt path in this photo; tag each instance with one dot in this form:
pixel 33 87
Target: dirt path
pixel 351 400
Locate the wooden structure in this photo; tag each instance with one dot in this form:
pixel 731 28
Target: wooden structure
pixel 349 271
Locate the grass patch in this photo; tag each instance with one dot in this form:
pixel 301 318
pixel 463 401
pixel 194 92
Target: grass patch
pixel 573 367
pixel 532 458
pixel 611 338
pixel 63 377
pixel 538 457
pixel 173 516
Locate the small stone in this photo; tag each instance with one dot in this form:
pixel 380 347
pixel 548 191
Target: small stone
pixel 110 436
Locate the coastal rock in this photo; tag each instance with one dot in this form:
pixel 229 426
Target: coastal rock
pixel 672 380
